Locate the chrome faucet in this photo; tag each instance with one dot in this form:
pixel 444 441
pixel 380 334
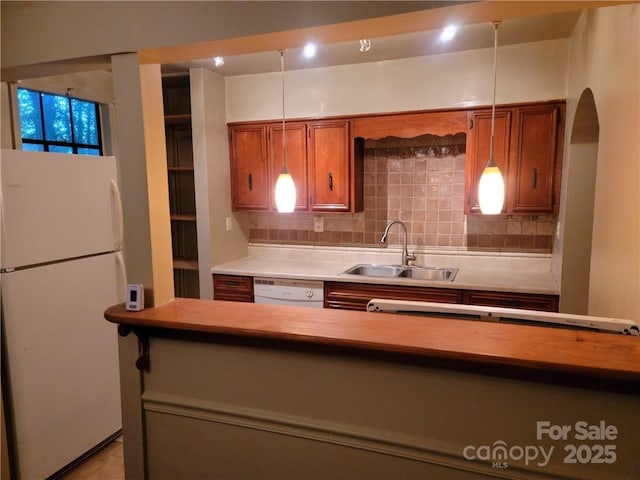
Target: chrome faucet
pixel 406 256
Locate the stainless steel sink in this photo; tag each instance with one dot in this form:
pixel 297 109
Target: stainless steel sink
pixel 370 270
pixel 429 273
pixel 399 271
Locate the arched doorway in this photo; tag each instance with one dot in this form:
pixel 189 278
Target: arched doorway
pixel 580 196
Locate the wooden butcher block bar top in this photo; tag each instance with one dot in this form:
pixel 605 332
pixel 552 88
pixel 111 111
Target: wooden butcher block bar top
pixel 561 353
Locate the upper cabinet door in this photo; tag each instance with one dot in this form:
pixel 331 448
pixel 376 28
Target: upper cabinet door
pixel 479 141
pixel 528 150
pixel 296 151
pixel 533 159
pixel 249 180
pixel 329 166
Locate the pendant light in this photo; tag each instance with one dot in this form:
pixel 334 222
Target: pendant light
pixel 491 187
pixel 285 188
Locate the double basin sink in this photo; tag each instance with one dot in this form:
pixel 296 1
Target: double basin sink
pixel 401 271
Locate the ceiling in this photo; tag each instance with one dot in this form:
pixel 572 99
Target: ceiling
pixel 468 37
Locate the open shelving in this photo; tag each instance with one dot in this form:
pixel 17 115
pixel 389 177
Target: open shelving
pixel 182 205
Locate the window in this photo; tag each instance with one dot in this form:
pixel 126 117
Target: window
pixel 56 123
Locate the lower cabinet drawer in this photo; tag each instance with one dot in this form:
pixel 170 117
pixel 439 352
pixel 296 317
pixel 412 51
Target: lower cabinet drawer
pixel 355 296
pixel 235 288
pixel 528 301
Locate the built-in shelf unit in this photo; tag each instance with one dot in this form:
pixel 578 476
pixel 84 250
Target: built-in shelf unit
pixel 182 201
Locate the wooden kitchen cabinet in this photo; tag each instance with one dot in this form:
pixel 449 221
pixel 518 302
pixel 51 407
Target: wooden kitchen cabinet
pixel 527 301
pixel 355 296
pixel 528 151
pixel 535 159
pixel 327 167
pixel 249 167
pixel 296 154
pixel 478 143
pixel 235 288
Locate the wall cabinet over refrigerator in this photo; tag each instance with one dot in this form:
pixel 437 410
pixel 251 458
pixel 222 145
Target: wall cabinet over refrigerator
pixel 326 165
pixel 528 151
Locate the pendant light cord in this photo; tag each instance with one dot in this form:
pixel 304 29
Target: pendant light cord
pixel 495 25
pixel 284 153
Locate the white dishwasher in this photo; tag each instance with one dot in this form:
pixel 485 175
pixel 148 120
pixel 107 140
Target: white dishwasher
pixel 285 291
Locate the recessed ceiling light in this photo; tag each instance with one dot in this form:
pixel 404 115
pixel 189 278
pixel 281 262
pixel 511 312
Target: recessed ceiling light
pixel 218 61
pixel 309 50
pixel 448 33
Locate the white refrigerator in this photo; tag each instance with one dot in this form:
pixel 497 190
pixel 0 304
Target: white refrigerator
pixel 61 260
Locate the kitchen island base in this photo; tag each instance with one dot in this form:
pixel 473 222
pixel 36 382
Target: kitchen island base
pixel 252 402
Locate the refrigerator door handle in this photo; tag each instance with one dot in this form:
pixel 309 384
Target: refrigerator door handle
pixel 123 275
pixel 115 191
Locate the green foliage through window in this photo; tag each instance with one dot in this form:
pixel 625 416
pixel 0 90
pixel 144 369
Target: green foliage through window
pixel 55 123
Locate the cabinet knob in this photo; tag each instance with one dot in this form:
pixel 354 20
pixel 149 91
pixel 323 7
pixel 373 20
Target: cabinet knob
pixel 250 181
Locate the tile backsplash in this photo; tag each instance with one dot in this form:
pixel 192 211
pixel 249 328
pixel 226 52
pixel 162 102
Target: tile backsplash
pixel 421 182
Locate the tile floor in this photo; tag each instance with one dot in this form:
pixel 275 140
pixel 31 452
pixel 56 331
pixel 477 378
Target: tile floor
pixel 107 464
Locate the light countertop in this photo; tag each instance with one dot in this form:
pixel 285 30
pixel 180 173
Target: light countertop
pixel 531 274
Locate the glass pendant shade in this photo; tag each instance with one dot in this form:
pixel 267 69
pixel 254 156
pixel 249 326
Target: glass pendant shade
pixel 491 187
pixel 285 192
pixel 285 188
pixel 491 190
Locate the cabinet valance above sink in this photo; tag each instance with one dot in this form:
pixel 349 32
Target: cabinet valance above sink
pixel 410 125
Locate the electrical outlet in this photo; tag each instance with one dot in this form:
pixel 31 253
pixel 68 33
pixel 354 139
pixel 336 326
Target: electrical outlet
pixel 228 223
pixel 318 224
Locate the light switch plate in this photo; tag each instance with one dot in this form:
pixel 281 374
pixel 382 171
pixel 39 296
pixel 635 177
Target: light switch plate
pixel 228 223
pixel 318 224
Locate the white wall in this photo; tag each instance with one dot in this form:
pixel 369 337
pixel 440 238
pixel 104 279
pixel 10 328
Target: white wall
pixel 526 72
pixel 577 227
pixel 604 55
